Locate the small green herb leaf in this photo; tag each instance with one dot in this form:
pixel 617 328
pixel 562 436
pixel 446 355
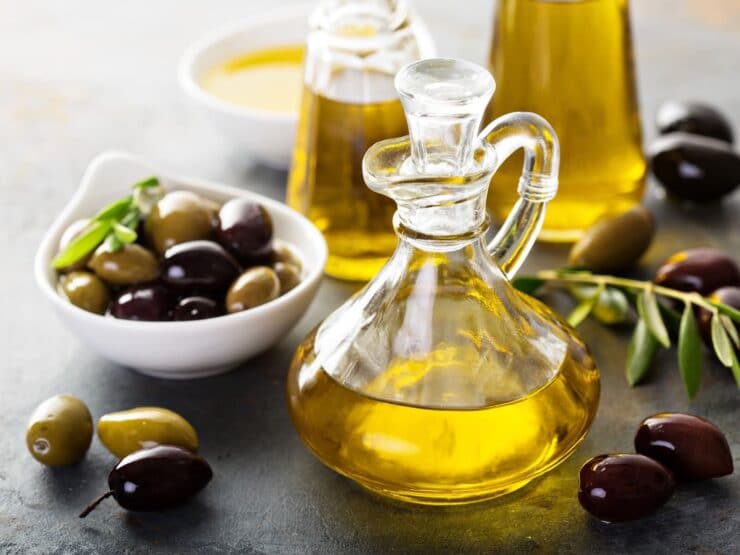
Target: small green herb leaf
pixel 584 308
pixel 83 244
pixel 115 210
pixel 721 342
pixel 730 329
pixel 131 219
pixel 640 353
pixel 112 243
pixel 124 234
pixel 152 181
pixel 689 352
pixel 649 311
pixel 736 369
pixel 727 310
pixel 527 284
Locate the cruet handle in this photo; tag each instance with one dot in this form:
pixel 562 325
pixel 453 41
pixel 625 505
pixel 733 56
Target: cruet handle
pixel 537 184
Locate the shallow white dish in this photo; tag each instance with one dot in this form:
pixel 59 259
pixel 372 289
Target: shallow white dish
pixel 180 350
pixel 266 136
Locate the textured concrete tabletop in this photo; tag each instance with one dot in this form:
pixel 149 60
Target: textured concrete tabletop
pixel 78 77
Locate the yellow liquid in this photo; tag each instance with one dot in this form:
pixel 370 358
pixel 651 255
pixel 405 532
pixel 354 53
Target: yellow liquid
pixel 326 181
pixel 571 62
pixel 435 455
pixel 269 79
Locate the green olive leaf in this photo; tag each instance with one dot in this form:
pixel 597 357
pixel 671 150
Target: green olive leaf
pixel 527 284
pixel 721 342
pixel 152 181
pixel 83 244
pixel 689 352
pixel 736 369
pixel 733 313
pixel 115 210
pixel 648 308
pixel 112 243
pixel 131 219
pixel 584 308
pixel 124 234
pixel 640 353
pixel 730 329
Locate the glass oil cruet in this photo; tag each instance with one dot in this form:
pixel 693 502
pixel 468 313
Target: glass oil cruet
pixel 354 50
pixel 438 382
pixel 571 61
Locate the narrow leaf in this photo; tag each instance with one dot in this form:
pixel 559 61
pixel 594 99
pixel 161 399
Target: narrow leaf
pixel 527 284
pixel 640 353
pixel 124 234
pixel 727 310
pixel 115 210
pixel 131 219
pixel 721 342
pixel 649 311
pixel 83 244
pixel 112 243
pixel 736 369
pixel 730 329
pixel 584 308
pixel 152 181
pixel 689 352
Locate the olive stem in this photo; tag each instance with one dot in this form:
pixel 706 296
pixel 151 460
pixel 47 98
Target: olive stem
pixel 596 279
pixel 91 507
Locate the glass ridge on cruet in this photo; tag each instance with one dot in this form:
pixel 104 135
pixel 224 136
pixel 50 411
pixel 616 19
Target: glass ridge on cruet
pixel 438 382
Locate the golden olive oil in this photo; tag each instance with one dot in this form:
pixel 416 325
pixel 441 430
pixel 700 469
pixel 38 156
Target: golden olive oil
pixel 269 79
pixel 441 455
pixel 571 62
pixel 326 182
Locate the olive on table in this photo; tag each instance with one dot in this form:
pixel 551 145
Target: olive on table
pixel 695 168
pixel 254 287
pixel 199 268
pixel 695 118
pixel 702 270
pixel 196 308
pixel 725 295
pixel 154 479
pixel 288 275
pixel 614 243
pixel 621 487
pixel 245 230
pixel 147 302
pixel 84 290
pixel 70 234
pixel 283 252
pixel 128 265
pixel 127 431
pixel 690 447
pixel 59 431
pixel 178 217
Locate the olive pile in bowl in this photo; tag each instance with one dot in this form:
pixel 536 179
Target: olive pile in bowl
pixel 159 256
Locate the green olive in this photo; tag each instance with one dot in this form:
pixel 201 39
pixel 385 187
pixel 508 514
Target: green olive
pixel 284 252
pixel 178 217
pixel 60 431
pixel 85 290
pixel 614 243
pixel 70 234
pixel 254 287
pixel 127 431
pixel 130 264
pixel 288 274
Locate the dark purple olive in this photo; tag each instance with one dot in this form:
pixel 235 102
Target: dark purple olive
pixel 702 270
pixel 695 118
pixel 156 478
pixel 245 230
pixel 623 487
pixel 199 268
pixel 196 308
pixel 691 447
pixel 147 302
pixel 725 295
pixel 695 168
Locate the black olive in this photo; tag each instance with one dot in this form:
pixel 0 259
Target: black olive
pixel 702 270
pixel 199 268
pixel 694 118
pixel 695 168
pixel 245 230
pixel 623 487
pixel 196 308
pixel 148 302
pixel 725 295
pixel 155 478
pixel 691 447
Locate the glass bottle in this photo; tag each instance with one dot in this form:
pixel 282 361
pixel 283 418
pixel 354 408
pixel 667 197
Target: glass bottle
pixel 439 383
pixel 355 48
pixel 571 61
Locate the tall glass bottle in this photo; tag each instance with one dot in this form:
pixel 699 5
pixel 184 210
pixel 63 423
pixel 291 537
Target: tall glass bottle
pixel 571 61
pixel 355 48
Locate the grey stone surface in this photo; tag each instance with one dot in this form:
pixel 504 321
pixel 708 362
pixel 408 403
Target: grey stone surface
pixel 78 77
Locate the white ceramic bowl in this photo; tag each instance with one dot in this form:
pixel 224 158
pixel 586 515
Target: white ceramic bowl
pixel 180 349
pixel 267 136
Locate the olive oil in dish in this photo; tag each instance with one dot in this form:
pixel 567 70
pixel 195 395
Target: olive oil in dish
pixel 269 79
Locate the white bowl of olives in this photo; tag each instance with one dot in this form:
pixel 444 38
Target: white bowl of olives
pixel 176 277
